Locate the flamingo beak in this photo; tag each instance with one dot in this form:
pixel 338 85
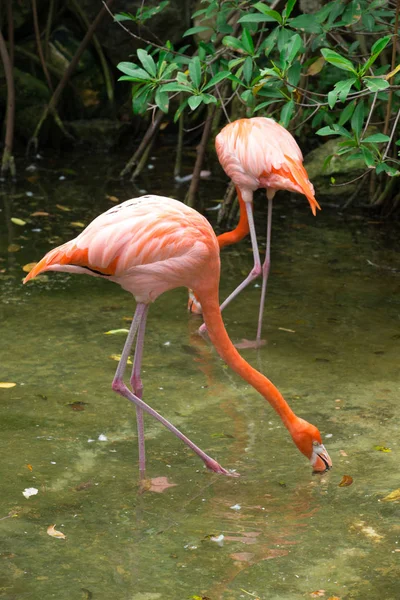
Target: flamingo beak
pixel 320 459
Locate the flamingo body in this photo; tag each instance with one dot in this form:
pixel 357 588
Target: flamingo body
pixel 149 245
pixel 259 153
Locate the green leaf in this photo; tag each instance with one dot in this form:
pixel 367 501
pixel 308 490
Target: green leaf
pixel 327 161
pixel 175 87
pixel 263 105
pixel 247 41
pixel 294 73
pixel 375 84
pixel 233 42
pixel 194 101
pixel 269 43
pixel 287 11
pixel 376 138
pixel 139 100
pixel 375 52
pixel 133 71
pixel 347 112
pixel 235 62
pixel 368 157
pixel 293 47
pixel 336 59
pixel 332 98
pixel 380 44
pixel 180 110
pixel 248 69
pixel 124 17
pixel 147 61
pixel 387 169
pixel 265 10
pixel 256 18
pixel 357 119
pixel 287 113
pixel 209 99
pixel 217 79
pixel 340 91
pixel 334 130
pixel 197 29
pixel 195 71
pixel 284 35
pixel 306 23
pixel 162 100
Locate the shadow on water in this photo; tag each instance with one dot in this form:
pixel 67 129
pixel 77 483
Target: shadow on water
pixel 276 533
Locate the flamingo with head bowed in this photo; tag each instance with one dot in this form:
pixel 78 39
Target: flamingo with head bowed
pixel 258 153
pixel 150 245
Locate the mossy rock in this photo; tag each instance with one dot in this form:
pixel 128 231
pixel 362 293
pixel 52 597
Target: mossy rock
pixel 29 90
pixel 63 46
pixel 340 168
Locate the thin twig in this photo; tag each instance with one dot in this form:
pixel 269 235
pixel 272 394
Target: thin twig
pixel 369 115
pixel 391 135
pixel 351 181
pixel 394 49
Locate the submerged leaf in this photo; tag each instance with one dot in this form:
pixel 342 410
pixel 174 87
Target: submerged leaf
pixel 393 496
pixel 40 213
pixel 346 481
pixel 117 357
pixel 28 267
pixel 17 221
pixel 382 449
pixel 115 331
pixel 13 248
pixel 157 484
pixel 64 208
pixel 77 224
pixel 112 198
pixel 7 384
pixel 54 533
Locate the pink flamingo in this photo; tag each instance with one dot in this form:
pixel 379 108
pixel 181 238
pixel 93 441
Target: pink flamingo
pixel 258 153
pixel 149 245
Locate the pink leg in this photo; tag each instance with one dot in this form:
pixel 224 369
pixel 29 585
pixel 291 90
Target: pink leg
pixel 137 388
pixel 119 386
pixel 265 272
pixel 256 270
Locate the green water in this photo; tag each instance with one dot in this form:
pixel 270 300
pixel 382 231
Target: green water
pixel 332 330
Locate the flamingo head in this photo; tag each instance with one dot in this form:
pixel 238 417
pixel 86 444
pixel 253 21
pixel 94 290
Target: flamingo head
pixel 308 440
pixel 194 305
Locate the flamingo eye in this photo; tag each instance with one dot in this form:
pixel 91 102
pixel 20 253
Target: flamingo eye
pixel 315 443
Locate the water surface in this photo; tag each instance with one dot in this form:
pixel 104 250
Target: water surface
pixel 275 533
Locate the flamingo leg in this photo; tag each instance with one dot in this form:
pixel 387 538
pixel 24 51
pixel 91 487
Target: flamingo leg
pixel 119 386
pixel 256 270
pixel 265 272
pixel 137 388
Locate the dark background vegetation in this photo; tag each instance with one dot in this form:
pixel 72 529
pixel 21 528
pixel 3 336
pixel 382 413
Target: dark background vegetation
pixel 325 70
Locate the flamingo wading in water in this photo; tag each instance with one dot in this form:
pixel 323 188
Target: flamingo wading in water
pixel 259 153
pixel 150 245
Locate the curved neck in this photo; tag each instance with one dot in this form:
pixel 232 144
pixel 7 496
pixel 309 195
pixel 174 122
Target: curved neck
pixel 242 228
pixel 227 351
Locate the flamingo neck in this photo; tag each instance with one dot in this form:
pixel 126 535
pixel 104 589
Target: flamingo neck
pixel 242 228
pixel 219 337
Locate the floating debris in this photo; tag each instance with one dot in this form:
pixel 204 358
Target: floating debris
pixel 54 533
pixel 28 492
pixel 346 481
